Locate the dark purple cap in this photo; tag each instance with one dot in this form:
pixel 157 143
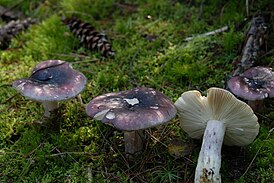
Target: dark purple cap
pixel 52 80
pixel 134 109
pixel 255 83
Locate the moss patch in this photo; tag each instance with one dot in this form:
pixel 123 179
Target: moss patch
pixel 148 38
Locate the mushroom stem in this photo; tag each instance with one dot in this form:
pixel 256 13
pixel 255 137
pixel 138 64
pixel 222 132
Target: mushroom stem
pixel 81 101
pixel 209 161
pixel 49 107
pixel 256 105
pixel 133 141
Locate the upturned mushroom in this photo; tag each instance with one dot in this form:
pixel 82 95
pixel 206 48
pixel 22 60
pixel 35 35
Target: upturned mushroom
pixel 219 117
pixel 50 82
pixel 254 85
pixel 132 111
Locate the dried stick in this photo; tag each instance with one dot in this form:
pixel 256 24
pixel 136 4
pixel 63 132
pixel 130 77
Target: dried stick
pixel 255 38
pixel 223 29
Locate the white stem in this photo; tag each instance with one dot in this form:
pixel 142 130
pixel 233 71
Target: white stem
pixel 209 161
pixel 49 107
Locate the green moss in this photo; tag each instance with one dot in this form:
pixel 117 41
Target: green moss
pixel 88 10
pixel 230 40
pixel 148 38
pixel 49 39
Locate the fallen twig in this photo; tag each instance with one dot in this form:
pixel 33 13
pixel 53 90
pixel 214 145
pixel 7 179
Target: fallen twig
pixel 223 29
pixel 255 38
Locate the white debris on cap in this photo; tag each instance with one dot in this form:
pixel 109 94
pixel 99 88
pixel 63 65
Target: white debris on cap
pixel 110 115
pixel 100 115
pixel 132 101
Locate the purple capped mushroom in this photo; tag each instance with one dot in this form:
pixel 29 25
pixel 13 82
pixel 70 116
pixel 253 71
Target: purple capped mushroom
pixel 132 111
pixel 50 82
pixel 254 85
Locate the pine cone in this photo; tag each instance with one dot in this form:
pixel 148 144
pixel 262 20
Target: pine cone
pixel 7 14
pixel 8 31
pixel 87 34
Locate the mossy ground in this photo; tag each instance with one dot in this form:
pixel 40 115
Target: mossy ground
pixel 87 150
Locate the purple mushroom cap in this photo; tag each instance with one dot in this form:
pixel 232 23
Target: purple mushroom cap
pixel 256 83
pixel 134 109
pixel 52 80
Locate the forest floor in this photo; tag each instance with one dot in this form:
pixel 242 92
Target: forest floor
pixel 148 38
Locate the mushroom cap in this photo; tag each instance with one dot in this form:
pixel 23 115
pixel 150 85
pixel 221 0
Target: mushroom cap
pixel 239 119
pixel 52 80
pixel 256 83
pixel 134 109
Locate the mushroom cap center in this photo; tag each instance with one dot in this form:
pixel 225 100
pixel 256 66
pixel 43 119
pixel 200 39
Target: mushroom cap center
pixel 134 109
pixel 255 83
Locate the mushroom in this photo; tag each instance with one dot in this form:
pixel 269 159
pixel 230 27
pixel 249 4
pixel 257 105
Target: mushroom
pixel 51 81
pixel 254 85
pixel 219 117
pixel 132 111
